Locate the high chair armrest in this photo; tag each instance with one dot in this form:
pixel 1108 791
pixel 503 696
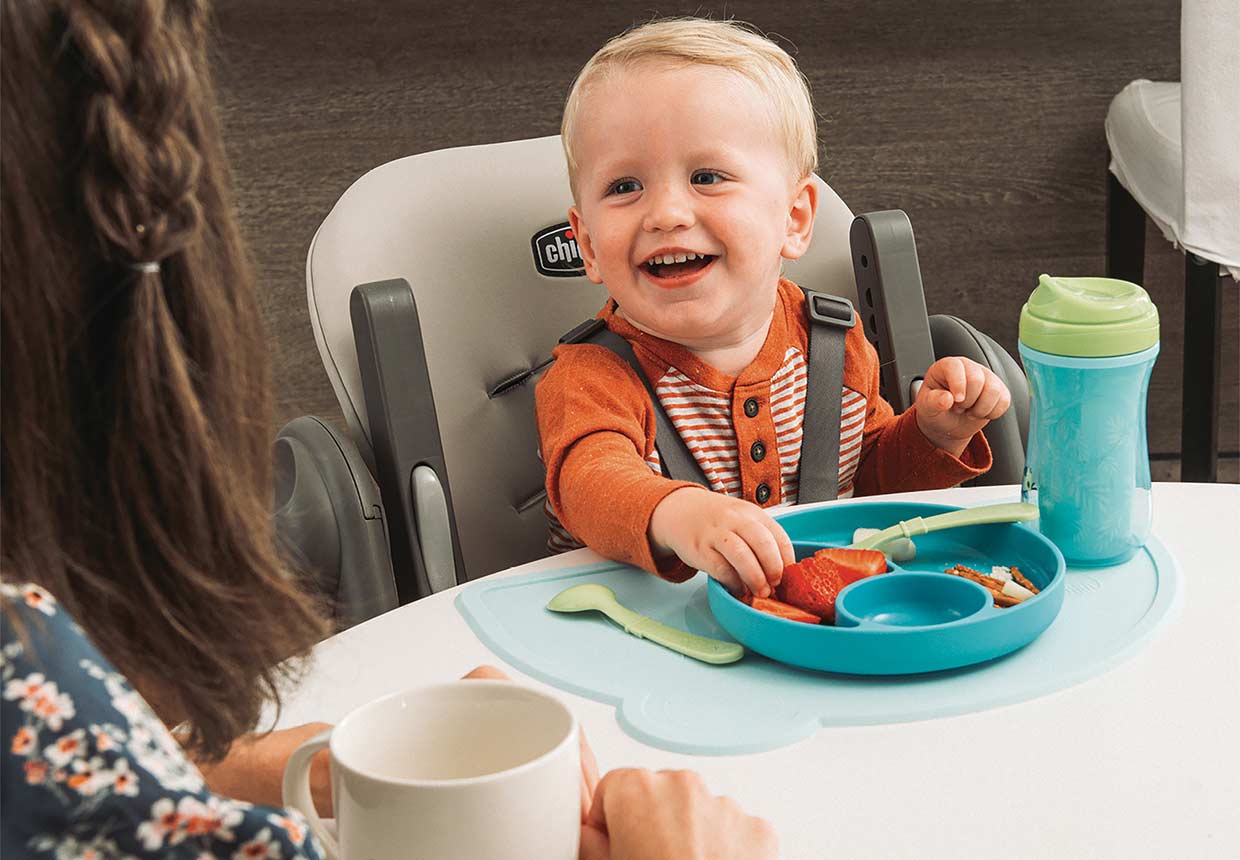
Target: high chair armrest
pixel 891 301
pixel 404 432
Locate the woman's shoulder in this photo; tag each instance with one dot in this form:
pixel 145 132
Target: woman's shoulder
pixel 88 769
pixel 37 631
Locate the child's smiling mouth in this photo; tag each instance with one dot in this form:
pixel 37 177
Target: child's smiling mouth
pixel 677 269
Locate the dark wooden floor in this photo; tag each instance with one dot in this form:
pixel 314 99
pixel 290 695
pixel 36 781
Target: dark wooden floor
pixel 982 120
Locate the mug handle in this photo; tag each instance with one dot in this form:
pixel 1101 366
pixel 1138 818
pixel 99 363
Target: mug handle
pixel 296 789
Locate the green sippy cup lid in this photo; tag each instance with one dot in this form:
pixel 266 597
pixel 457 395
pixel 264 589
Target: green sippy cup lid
pixel 1090 317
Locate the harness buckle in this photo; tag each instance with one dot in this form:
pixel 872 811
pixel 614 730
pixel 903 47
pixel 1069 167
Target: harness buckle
pixel 830 310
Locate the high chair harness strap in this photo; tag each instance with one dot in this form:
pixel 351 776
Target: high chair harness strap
pixel 674 455
pixel 830 319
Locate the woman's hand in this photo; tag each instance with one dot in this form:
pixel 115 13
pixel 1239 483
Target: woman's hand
pixel 670 815
pixel 958 397
pixel 734 541
pixel 589 765
pixel 253 770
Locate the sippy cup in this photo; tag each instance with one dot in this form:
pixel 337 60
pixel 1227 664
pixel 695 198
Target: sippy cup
pixel 1088 346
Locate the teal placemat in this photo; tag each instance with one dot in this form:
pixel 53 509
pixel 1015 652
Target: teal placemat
pixel 676 703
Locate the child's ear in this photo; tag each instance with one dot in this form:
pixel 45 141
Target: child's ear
pixel 801 219
pixel 582 235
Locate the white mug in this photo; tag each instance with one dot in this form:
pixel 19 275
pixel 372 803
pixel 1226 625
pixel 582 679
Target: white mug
pixel 472 769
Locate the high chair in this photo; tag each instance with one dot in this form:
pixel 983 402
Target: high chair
pixel 438 286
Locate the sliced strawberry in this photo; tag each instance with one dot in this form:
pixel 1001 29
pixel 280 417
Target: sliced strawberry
pixel 812 584
pixel 865 562
pixel 784 610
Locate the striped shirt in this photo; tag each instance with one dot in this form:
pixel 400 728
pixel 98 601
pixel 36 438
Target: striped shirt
pixel 702 417
pixel 745 431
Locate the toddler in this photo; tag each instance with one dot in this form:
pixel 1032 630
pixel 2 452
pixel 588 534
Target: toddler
pixel 691 146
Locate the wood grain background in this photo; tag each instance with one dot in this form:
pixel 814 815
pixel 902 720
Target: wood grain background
pixel 982 120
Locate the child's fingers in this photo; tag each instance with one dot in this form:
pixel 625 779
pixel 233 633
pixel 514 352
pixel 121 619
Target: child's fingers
pixel 949 375
pixel 975 383
pixel 737 552
pixel 988 399
pixel 933 401
pixel 1001 405
pixel 765 549
pixel 943 400
pixel 786 553
pixel 1005 402
pixel 719 568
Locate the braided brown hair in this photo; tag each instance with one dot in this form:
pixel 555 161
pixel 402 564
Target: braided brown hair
pixel 136 467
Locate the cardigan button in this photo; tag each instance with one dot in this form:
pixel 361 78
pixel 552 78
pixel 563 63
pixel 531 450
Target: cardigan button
pixel 751 407
pixel 763 493
pixel 757 451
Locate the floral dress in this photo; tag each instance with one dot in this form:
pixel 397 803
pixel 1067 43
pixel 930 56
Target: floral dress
pixel 88 770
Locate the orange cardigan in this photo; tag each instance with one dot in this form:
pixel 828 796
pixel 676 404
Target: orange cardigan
pixel 597 431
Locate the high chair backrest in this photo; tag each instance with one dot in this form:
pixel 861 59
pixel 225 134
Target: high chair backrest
pixel 475 234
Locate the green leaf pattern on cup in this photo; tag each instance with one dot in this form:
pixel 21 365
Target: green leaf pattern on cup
pixel 1087 455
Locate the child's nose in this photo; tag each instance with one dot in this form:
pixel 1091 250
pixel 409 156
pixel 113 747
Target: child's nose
pixel 667 208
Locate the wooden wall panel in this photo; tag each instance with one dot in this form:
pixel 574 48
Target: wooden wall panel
pixel 982 120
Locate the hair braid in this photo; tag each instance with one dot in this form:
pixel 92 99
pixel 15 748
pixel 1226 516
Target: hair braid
pixel 141 173
pixel 137 469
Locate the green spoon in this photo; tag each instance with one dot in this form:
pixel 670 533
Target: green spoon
pixel 580 598
pixel 1010 512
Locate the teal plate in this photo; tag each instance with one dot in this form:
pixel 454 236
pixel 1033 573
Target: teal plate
pixel 915 618
pixel 672 702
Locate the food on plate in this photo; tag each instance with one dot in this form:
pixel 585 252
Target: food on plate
pixel 781 610
pixel 898 549
pixel 1020 578
pixel 1014 589
pixel 1006 592
pixel 808 589
pixel 813 583
pixel 867 562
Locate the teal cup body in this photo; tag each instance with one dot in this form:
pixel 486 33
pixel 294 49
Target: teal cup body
pixel 1087 462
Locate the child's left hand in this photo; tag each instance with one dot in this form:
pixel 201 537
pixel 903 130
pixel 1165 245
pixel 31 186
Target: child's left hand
pixel 958 397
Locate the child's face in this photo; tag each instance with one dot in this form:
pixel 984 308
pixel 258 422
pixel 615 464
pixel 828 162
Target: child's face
pixel 686 161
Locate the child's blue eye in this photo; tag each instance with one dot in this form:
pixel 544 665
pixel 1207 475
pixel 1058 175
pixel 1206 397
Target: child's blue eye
pixel 707 177
pixel 624 186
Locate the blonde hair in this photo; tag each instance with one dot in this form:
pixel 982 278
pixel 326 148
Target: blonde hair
pixel 730 45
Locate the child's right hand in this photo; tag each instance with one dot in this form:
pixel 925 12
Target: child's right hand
pixel 733 540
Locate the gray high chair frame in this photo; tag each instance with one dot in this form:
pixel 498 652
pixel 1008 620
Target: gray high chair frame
pixel 456 498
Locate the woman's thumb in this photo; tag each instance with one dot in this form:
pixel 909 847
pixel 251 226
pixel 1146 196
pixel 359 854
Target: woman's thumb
pixel 594 844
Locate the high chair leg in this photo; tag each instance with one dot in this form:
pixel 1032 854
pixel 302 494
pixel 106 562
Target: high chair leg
pixel 1125 238
pixel 1203 324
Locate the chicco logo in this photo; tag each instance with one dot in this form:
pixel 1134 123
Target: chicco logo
pixel 556 253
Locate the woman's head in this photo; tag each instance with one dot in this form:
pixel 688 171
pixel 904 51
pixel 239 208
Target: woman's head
pixel 136 460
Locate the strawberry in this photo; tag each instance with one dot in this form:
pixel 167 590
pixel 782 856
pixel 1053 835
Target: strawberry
pixel 783 610
pixel 812 584
pixel 864 562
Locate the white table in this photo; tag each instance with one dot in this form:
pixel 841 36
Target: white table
pixel 1141 762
